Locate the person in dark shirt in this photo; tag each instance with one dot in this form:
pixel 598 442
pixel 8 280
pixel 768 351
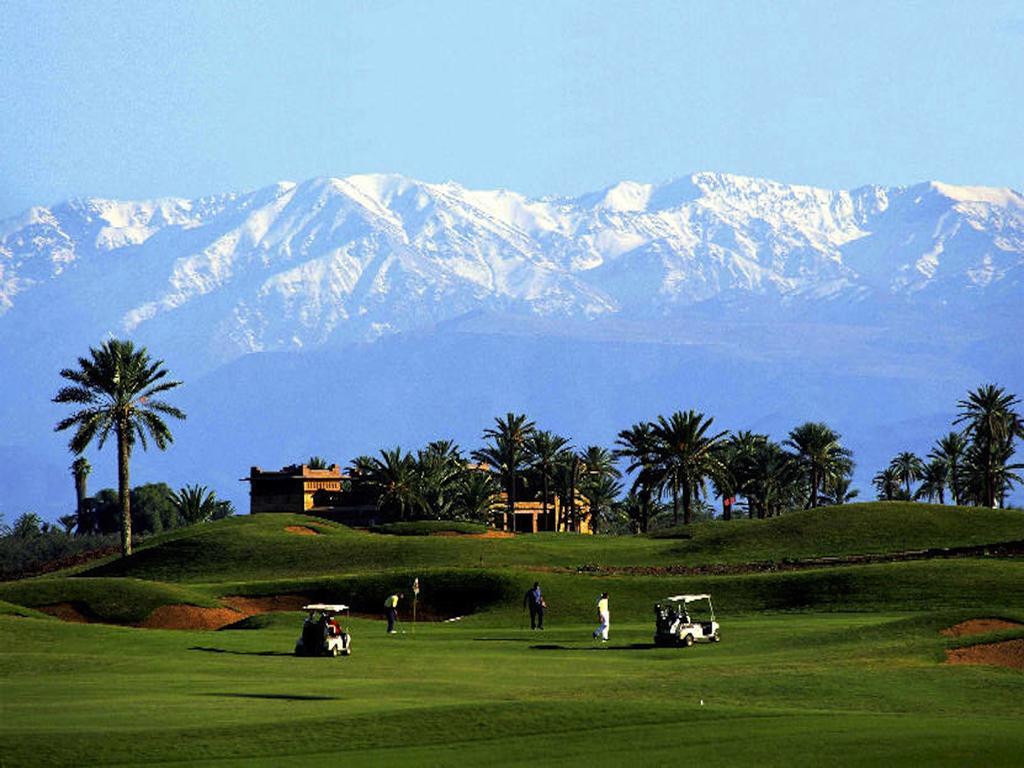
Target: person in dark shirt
pixel 535 601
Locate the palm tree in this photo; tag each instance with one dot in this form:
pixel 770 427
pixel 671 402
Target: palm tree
pixel 477 495
pixel 80 469
pixel 817 451
pixel 774 480
pixel 887 483
pixel 600 490
pixel 991 424
pixel 908 468
pixel 118 387
pixel 567 472
pixel 933 481
pixel 395 477
pixel 544 447
pixel 949 450
pixel 317 462
pixel 440 466
pixel 195 503
pixel 68 523
pixel 837 490
pixel 507 453
pixel 737 454
pixel 637 445
pixel 686 455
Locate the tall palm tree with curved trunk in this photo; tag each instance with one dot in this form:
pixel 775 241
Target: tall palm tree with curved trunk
pixel 686 455
pixel 818 452
pixel 118 386
pixel 544 448
pixel 507 454
pixel 950 450
pixel 908 468
pixel 991 423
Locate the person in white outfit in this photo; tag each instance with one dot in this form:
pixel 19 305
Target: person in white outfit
pixel 603 618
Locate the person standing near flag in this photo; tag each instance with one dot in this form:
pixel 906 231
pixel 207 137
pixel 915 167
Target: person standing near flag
pixel 603 617
pixel 391 610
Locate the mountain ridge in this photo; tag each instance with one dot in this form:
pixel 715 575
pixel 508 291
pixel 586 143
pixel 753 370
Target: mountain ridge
pixel 296 264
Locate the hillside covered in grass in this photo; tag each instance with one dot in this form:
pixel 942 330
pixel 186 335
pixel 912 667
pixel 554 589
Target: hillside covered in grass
pixel 261 547
pixel 750 565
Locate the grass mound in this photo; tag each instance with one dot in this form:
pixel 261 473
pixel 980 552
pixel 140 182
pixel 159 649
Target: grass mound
pixel 115 601
pixel 256 547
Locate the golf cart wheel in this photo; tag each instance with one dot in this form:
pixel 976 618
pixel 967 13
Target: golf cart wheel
pixel 347 652
pixel 688 641
pixel 716 638
pixel 335 652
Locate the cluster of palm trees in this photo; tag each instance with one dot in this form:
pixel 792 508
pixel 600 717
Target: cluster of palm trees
pixel 518 462
pixel 680 457
pixel 684 457
pixel 973 464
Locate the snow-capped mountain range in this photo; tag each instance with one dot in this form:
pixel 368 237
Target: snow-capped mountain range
pixel 295 265
pixel 336 316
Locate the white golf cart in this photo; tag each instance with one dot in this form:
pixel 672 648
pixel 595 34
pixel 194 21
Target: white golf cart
pixel 673 625
pixel 322 635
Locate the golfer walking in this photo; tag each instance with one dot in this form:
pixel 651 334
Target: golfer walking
pixel 603 617
pixel 391 610
pixel 535 601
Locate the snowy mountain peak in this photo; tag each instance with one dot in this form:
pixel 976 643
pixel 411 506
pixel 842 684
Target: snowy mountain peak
pixel 327 259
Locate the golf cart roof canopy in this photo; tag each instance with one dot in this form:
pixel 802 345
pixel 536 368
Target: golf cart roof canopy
pixel 325 607
pixel 687 598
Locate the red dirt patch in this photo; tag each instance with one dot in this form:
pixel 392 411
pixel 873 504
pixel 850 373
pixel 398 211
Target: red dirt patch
pixel 979 627
pixel 250 606
pixel 301 530
pixel 66 612
pixel 1009 653
pixel 190 617
pixel 487 535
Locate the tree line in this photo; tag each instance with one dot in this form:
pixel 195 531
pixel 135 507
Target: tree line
pixel 679 460
pixel 974 464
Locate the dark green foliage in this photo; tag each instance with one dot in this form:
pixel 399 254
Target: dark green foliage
pixel 818 453
pixel 975 465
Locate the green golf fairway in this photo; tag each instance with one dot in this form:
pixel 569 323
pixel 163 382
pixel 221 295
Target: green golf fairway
pixel 841 664
pixel 850 689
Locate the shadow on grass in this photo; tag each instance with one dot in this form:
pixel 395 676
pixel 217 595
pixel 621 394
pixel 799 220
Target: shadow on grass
pixel 277 696
pixel 240 653
pixel 602 647
pixel 503 639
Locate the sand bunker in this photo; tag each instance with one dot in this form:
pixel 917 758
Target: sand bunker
pixel 66 612
pixel 1009 653
pixel 301 530
pixel 250 606
pixel 979 627
pixel 236 608
pixel 190 617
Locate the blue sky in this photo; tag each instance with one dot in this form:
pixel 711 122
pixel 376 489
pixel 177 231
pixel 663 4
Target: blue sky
pixel 146 99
